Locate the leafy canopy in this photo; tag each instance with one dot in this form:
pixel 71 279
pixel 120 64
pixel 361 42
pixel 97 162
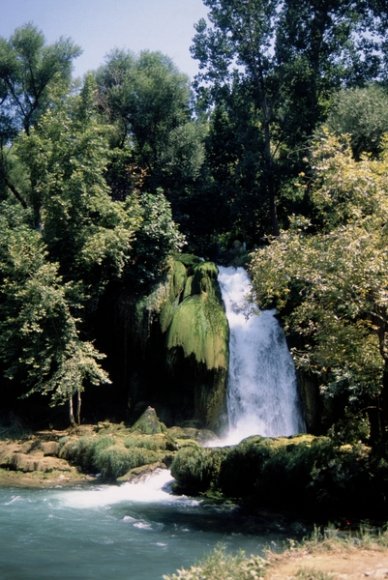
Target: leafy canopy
pixel 330 286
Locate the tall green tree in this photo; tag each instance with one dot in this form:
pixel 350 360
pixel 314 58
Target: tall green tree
pixel 62 247
pixel 362 113
pixel 41 346
pixel 330 286
pixel 86 231
pixel 237 45
pixel 149 101
pixel 33 75
pixel 289 57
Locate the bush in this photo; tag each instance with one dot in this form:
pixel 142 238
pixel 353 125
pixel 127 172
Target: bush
pixel 308 473
pixel 108 456
pixel 241 469
pixel 196 469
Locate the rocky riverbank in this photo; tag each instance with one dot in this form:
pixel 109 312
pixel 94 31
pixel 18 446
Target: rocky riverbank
pixel 33 461
pixel 89 453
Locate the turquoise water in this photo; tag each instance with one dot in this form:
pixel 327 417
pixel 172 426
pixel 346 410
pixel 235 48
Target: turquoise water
pixel 134 531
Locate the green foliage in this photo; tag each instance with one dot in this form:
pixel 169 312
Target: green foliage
pixel 330 286
pixel 242 466
pixel 303 473
pixel 71 241
pixel 40 345
pixel 267 73
pixel 157 239
pixel 87 232
pixel 110 456
pixel 32 76
pixel 148 99
pixel 195 469
pixel 361 113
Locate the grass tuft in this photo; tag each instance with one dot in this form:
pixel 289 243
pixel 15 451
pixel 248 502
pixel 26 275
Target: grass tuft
pixel 222 566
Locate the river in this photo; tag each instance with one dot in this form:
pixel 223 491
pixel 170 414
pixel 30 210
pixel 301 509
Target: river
pixel 133 531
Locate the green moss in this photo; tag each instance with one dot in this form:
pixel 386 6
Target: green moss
pixel 205 279
pixel 199 327
pixel 190 312
pixel 113 462
pixel 174 290
pixel 157 442
pixel 188 287
pixel 149 423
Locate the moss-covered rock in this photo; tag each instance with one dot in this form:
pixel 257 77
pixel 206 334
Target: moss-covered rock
pixel 149 423
pixel 112 454
pixel 195 321
pixel 176 347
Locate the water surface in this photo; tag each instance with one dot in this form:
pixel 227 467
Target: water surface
pixel 133 531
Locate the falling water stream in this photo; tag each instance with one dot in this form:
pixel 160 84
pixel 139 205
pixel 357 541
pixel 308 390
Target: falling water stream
pixel 262 387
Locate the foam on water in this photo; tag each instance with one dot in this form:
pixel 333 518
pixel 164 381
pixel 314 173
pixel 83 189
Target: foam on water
pixel 155 488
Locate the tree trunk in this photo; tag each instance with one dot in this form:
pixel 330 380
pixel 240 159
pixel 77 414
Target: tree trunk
pixel 78 407
pixel 71 411
pixel 384 401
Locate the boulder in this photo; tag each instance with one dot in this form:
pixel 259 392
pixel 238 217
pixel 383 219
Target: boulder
pixel 149 423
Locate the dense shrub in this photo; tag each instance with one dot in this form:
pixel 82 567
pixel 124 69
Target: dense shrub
pixel 111 457
pixel 196 469
pixel 113 462
pixel 305 473
pixel 242 466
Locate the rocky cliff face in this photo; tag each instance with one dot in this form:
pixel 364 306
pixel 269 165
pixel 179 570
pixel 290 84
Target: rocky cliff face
pixel 170 347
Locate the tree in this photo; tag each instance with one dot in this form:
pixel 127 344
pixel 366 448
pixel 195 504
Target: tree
pixel 62 246
pixel 157 239
pixel 40 342
pixel 86 231
pixel 32 76
pixel 241 35
pixel 149 100
pixel 330 287
pixel 362 113
pixel 287 57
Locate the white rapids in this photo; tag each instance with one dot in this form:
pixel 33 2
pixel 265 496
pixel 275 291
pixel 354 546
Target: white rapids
pixel 153 488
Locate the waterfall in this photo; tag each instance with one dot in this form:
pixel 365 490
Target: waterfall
pixel 262 389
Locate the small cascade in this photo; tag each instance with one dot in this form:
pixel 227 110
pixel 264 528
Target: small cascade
pixel 262 388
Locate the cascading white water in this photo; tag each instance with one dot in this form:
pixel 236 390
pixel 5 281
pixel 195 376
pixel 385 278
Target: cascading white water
pixel 262 389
